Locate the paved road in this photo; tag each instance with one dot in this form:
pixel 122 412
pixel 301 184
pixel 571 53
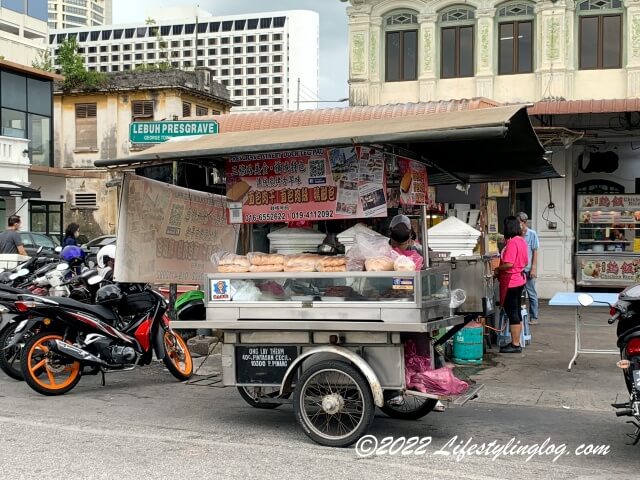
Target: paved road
pixel 143 424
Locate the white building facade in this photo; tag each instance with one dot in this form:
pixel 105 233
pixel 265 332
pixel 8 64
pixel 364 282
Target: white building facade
pixel 260 57
pixel 565 52
pixel 79 13
pixel 23 30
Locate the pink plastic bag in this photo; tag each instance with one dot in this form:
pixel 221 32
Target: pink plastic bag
pixel 419 375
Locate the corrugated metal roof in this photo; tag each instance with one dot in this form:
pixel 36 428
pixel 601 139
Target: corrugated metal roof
pixel 572 107
pixel 237 122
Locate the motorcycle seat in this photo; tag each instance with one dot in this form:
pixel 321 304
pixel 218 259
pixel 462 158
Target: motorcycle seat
pixel 13 291
pixel 97 310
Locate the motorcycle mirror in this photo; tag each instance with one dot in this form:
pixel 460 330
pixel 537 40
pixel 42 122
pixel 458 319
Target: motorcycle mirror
pixel 22 272
pixel 13 276
pixel 57 249
pixel 585 299
pixel 96 279
pixel 62 267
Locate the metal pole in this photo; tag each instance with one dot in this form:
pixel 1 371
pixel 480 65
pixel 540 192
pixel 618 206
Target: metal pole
pixel 173 287
pixel 425 235
pixel 298 101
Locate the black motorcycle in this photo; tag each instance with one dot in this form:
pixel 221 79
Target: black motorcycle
pixel 626 312
pixel 121 333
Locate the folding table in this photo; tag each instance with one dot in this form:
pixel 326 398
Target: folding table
pixel 570 299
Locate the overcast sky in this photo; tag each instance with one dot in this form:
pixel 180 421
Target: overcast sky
pixel 333 30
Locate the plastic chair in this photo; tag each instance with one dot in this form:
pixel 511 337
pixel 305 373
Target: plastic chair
pixel 504 334
pixel 526 332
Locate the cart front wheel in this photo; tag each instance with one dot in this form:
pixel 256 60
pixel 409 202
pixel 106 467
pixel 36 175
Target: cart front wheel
pixel 409 408
pixel 252 394
pixel 333 403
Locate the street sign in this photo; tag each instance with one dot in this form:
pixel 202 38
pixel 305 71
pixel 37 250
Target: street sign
pixel 158 132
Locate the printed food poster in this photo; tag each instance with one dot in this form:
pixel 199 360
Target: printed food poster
pixel 167 234
pixel 414 187
pixel 605 270
pixel 314 184
pixel 619 201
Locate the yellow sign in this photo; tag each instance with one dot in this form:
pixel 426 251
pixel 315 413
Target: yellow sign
pixel 636 245
pixel 498 189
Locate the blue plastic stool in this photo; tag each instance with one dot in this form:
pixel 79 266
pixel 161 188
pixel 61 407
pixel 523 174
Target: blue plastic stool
pixel 504 335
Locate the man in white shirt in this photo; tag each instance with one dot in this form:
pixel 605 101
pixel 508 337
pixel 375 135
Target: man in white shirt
pixel 531 271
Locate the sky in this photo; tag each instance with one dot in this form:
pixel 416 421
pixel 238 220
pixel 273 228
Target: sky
pixel 334 54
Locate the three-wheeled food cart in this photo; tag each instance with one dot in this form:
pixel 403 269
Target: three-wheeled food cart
pixel 338 357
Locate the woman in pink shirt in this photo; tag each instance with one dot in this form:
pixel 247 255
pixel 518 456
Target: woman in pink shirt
pixel 513 260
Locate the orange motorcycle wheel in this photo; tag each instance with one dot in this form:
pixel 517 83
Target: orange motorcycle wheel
pixel 45 371
pixel 177 357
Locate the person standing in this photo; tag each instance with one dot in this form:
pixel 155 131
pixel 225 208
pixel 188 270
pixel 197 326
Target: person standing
pixel 10 241
pixel 510 273
pixel 71 235
pixel 533 244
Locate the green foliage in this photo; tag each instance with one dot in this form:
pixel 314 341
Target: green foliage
pixel 76 77
pixel 43 61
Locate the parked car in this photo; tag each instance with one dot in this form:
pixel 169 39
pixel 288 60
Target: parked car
pixel 32 241
pixel 91 247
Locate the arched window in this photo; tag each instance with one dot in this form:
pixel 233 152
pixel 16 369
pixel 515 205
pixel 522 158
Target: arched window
pixel 515 38
pixel 456 42
pixel 401 46
pixel 600 31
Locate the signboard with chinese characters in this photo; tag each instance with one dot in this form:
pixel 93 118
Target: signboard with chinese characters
pixel 167 234
pixel 413 182
pixel 158 132
pixel 619 201
pixel 314 184
pixel 608 270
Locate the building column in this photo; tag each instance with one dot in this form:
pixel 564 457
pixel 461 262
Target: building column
pixel 554 35
pixel 359 57
pixel 632 40
pixel 485 41
pixel 428 57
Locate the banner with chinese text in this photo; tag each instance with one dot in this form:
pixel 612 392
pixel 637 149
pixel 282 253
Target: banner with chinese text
pixel 609 270
pixel 167 234
pixel 314 184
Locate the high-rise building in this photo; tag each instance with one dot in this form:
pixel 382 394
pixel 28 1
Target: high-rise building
pixel 263 58
pixel 23 29
pixel 79 13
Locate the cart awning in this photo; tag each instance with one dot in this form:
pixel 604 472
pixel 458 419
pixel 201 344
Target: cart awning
pixel 489 144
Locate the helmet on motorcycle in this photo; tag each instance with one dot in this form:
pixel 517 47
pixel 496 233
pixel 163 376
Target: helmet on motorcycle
pixel 108 294
pixel 104 254
pixel 72 254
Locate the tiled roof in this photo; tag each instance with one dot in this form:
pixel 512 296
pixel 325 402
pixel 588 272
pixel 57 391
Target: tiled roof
pixel 298 118
pixel 571 107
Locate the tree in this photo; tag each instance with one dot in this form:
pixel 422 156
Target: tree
pixel 72 68
pixel 43 61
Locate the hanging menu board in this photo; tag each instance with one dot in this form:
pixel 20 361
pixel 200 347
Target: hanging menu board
pixel 314 184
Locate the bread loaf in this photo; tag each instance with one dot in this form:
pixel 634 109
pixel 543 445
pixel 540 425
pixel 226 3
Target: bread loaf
pixel 257 258
pixel 378 264
pixel 265 268
pixel 305 260
pixel 232 268
pixel 235 260
pixel 340 268
pixel 332 262
pixel 302 268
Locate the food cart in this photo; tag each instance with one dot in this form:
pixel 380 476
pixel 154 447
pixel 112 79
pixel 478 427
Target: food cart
pixel 333 343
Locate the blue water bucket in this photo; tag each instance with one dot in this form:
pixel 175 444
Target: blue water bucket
pixel 468 346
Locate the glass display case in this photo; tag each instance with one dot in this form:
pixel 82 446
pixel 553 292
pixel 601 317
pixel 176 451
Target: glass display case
pixel 358 296
pixel 608 240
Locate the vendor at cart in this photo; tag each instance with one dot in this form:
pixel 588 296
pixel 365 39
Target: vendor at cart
pixel 402 240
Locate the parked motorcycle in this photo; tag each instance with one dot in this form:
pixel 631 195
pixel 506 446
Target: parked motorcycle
pixel 626 312
pixel 120 333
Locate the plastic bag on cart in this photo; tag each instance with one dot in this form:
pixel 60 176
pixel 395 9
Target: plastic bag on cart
pixel 421 377
pixel 404 264
pixel 368 244
pixel 245 291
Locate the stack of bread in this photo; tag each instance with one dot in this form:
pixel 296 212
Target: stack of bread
pixel 304 262
pixel 231 263
pixel 266 262
pixel 378 264
pixel 332 264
